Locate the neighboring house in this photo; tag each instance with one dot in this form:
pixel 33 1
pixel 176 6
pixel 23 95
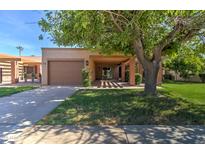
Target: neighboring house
pixel 32 64
pixel 62 66
pixel 12 68
pixel 176 76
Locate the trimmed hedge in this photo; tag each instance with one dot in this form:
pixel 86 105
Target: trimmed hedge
pixel 138 78
pixel 86 77
pixel 127 76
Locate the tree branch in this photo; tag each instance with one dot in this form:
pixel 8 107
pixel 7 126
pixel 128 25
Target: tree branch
pixel 166 41
pixel 139 50
pixel 117 14
pixel 192 26
pixel 189 35
pixel 115 22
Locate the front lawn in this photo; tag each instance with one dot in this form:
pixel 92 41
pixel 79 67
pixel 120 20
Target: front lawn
pixel 194 92
pixel 125 107
pixel 6 91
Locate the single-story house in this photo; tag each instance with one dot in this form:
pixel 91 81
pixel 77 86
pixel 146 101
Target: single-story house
pixel 172 75
pixel 12 68
pixel 62 66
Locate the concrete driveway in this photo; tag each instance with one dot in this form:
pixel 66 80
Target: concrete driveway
pixel 26 108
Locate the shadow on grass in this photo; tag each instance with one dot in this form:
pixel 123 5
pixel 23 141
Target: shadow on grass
pixel 125 107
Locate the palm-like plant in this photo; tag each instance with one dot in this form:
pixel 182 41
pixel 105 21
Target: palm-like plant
pixel 20 48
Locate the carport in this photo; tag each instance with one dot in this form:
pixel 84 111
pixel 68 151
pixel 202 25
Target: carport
pixel 112 68
pixel 9 68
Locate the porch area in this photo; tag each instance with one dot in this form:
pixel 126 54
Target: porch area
pixel 112 71
pixel 19 69
pixel 113 84
pixel 31 69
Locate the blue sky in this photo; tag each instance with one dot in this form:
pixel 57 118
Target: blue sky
pixel 21 28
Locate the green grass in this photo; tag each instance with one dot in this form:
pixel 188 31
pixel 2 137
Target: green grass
pixel 6 91
pixel 193 92
pixel 126 107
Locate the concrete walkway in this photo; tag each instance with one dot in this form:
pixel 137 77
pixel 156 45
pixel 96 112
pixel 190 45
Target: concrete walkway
pixel 112 84
pixel 26 108
pixel 131 134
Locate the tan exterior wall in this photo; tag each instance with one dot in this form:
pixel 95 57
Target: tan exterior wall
pixel 6 71
pixel 132 71
pixel 92 69
pixel 12 70
pixel 20 70
pixel 63 54
pixel 57 54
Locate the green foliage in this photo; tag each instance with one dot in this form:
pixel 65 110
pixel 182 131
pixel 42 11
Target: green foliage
pixel 20 48
pixel 33 75
pixel 25 75
pixel 138 78
pixel 186 62
pixel 168 77
pixel 96 29
pixel 202 76
pixel 86 77
pixel 127 75
pixel 146 34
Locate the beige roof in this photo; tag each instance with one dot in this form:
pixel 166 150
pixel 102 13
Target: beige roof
pixel 24 59
pixel 4 56
pixel 31 59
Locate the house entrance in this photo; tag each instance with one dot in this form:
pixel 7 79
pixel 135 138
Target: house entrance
pixel 107 73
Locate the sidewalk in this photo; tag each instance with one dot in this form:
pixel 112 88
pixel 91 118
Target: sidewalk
pixel 110 134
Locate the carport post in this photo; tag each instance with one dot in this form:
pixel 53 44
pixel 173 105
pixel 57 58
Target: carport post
pixel 132 71
pixel 13 72
pixel 123 71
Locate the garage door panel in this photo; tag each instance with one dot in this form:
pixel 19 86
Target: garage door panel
pixel 65 72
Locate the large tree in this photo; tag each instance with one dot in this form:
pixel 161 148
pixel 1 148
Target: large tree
pixel 147 34
pixel 187 60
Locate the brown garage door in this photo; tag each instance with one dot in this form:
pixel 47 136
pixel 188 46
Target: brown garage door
pixel 65 72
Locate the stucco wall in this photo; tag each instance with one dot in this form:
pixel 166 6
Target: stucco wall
pixel 72 54
pixel 6 71
pixel 62 54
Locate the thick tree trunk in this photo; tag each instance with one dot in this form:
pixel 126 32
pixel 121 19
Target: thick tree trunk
pixel 151 71
pixel 151 68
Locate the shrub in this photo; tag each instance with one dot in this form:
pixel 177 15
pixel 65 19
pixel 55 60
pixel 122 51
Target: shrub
pixel 138 78
pixel 202 76
pixel 25 75
pixel 168 77
pixel 33 75
pixel 127 76
pixel 86 77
